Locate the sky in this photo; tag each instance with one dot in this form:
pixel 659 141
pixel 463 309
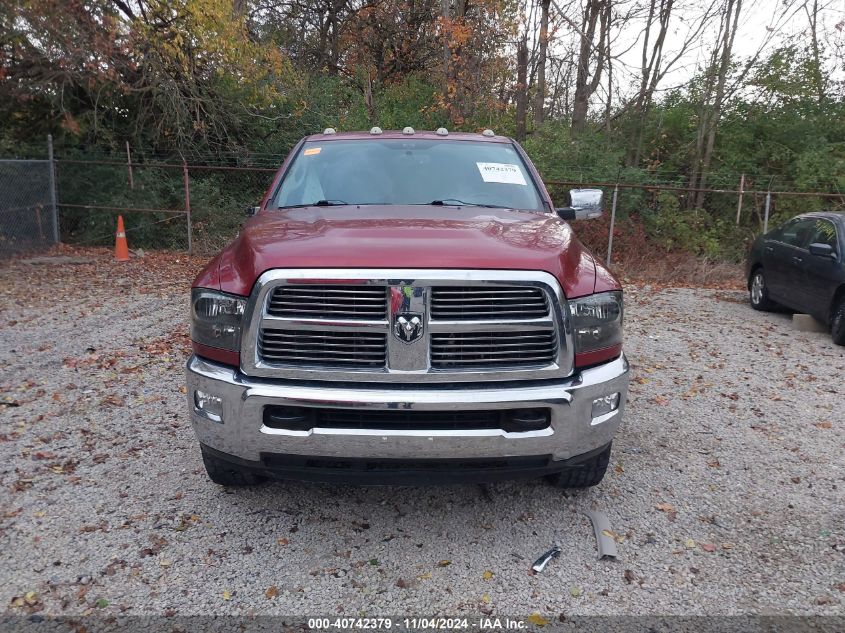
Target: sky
pixel 764 24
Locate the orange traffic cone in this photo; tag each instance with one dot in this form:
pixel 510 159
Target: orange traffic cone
pixel 121 248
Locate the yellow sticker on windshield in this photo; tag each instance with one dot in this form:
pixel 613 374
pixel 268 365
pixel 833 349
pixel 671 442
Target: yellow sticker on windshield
pixel 311 151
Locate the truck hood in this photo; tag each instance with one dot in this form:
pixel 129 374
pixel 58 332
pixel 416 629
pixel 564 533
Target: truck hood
pixel 405 237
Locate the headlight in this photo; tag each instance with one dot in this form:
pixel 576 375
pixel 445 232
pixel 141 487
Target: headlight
pixel 216 319
pixel 597 326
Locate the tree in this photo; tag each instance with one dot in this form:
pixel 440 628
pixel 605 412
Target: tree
pixel 540 93
pixel 591 59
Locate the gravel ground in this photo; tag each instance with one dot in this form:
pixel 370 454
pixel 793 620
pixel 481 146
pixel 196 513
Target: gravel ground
pixel 725 487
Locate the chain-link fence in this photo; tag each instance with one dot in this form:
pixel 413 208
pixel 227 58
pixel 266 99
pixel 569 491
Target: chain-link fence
pixel 196 203
pixel 28 217
pixel 198 208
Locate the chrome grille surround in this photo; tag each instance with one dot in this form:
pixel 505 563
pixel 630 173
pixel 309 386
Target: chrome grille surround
pixel 408 363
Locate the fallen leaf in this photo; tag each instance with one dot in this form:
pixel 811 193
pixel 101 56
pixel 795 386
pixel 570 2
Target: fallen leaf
pixel 401 584
pixel 629 576
pixel 227 595
pixel 690 544
pixel 425 576
pixel 575 592
pixel 485 599
pixel 31 598
pixel 708 547
pixel 669 509
pixel 272 592
pixel 823 425
pixel 102 603
pixel 537 620
pixel 444 563
pixel 487 575
pixel 283 541
pixel 165 562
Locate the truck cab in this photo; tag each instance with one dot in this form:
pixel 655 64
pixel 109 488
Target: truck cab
pixel 406 307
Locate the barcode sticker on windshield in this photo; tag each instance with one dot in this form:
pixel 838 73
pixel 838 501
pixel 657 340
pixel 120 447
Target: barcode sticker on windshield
pixel 501 172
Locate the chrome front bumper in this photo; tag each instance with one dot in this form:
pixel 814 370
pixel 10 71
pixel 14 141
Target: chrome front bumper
pixel 240 432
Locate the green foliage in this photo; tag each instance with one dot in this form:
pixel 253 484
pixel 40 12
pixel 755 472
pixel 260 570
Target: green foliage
pixel 697 231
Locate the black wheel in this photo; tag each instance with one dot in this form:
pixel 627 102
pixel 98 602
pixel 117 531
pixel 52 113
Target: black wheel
pixel 758 292
pixel 584 475
pixel 837 322
pixel 226 474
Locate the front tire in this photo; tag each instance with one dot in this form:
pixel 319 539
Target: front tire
pixel 837 322
pixel 224 473
pixel 758 292
pixel 585 475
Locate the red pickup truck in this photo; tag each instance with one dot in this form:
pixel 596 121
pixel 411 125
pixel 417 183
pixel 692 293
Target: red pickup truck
pixel 405 307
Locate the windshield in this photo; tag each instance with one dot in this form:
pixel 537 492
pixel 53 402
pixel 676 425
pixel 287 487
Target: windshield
pixel 408 171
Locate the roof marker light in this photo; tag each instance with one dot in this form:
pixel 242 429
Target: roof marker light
pixel 442 131
pixel 488 132
pixel 329 131
pixel 408 130
pixel 375 130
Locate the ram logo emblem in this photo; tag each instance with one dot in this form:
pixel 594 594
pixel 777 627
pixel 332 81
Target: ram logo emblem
pixel 408 326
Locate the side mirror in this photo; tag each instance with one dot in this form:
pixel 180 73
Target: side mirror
pixel 251 211
pixel 822 250
pixel 584 204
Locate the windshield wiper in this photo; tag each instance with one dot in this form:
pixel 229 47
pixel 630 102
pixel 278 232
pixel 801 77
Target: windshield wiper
pixel 460 203
pixel 318 203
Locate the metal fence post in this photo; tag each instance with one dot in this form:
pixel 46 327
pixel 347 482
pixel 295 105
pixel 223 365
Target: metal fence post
pixel 612 223
pixel 766 213
pixel 739 203
pixel 129 166
pixel 53 194
pixel 188 206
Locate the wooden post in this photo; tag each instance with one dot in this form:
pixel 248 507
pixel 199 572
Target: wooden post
pixel 188 206
pixel 739 203
pixel 129 166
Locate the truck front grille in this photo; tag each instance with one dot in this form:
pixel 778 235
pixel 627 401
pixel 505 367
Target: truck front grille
pixel 488 349
pixel 493 302
pixel 330 349
pixel 407 326
pixel 324 302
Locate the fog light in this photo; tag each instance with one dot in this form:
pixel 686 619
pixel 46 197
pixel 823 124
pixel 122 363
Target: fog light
pixel 208 405
pixel 604 405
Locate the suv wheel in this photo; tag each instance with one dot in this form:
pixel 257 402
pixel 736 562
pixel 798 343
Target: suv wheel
pixel 584 475
pixel 837 323
pixel 226 474
pixel 758 292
